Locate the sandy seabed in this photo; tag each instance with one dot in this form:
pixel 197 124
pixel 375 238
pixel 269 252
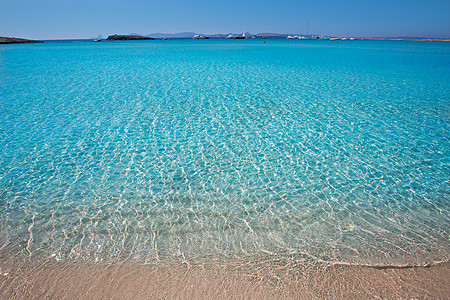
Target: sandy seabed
pixel 272 279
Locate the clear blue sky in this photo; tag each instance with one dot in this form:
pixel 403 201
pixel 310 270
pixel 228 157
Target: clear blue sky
pixel 56 19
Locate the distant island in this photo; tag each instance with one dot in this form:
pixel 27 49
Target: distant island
pixel 127 38
pixel 12 40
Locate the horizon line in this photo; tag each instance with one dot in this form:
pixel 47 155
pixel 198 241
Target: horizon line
pixel 261 34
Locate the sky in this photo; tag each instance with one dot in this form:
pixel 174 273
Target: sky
pixel 78 19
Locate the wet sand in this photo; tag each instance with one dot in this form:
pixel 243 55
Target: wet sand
pixel 275 279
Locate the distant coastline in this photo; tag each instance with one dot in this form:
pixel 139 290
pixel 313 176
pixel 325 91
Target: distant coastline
pixel 13 40
pixel 128 38
pixel 192 35
pixel 406 39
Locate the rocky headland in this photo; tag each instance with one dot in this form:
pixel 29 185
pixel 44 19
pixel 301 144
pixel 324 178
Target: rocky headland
pixel 12 40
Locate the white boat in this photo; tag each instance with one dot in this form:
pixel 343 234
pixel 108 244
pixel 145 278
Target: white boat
pixel 200 37
pixel 237 37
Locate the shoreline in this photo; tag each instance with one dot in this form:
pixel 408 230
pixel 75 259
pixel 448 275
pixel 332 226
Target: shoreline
pixel 273 279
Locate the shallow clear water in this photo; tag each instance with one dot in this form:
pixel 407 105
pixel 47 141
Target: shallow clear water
pixel 219 149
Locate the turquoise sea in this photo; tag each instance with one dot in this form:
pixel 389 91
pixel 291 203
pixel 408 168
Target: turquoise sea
pixel 187 150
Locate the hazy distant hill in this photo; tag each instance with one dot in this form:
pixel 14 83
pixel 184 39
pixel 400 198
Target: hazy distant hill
pixel 179 35
pixel 272 34
pixel 224 35
pixel 184 35
pixel 409 38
